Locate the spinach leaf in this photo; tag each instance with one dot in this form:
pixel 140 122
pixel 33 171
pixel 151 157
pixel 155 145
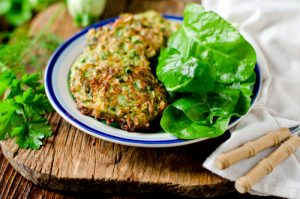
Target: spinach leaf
pixel 184 74
pixel 208 37
pixel 201 115
pixel 176 122
pixel 223 99
pixel 244 101
pixel 195 107
pixel 208 69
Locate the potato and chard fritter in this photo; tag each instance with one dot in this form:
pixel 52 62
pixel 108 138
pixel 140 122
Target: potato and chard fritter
pixel 112 79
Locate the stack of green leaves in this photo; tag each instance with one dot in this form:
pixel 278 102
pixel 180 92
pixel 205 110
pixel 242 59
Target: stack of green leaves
pixel 23 108
pixel 208 68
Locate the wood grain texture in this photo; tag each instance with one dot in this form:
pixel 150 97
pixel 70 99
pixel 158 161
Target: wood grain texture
pixel 14 186
pixel 74 161
pixel 74 158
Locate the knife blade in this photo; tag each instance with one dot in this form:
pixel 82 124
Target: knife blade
pixel 250 149
pixel 294 129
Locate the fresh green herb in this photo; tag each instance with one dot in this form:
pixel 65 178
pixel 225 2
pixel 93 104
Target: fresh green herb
pixel 208 70
pixel 24 53
pixel 6 79
pixel 24 104
pixel 23 108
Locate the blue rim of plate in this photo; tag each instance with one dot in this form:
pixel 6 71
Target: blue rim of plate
pixel 60 109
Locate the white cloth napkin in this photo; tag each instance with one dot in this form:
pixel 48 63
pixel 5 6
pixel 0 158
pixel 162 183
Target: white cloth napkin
pixel 273 27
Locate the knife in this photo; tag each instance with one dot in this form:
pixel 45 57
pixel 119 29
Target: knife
pixel 250 149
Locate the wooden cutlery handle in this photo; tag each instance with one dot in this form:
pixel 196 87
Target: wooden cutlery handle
pixel 251 148
pixel 265 166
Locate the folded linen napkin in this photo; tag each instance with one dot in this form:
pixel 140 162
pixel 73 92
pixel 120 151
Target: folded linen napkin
pixel 273 28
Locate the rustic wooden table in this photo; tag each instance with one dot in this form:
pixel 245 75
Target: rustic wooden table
pixel 13 185
pixel 59 173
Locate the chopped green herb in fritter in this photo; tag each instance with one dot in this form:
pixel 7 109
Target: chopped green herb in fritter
pixel 112 78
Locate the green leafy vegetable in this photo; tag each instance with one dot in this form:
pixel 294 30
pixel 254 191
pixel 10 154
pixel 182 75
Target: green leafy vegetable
pixel 184 74
pixel 5 80
pixel 223 99
pixel 244 100
pixel 30 134
pixel 24 104
pixel 8 118
pixel 178 121
pixel 201 115
pixel 22 111
pixel 208 69
pixel 208 37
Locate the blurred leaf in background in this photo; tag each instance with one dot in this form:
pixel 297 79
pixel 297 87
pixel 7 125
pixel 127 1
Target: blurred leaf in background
pixel 17 12
pixel 23 53
pixel 4 6
pixel 28 54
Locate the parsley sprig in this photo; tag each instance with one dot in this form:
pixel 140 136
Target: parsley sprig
pixel 23 109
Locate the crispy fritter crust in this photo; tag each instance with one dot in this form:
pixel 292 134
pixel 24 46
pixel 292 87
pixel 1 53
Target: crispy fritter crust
pixel 112 78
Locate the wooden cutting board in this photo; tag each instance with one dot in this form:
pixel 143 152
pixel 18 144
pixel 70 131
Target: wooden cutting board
pixel 74 161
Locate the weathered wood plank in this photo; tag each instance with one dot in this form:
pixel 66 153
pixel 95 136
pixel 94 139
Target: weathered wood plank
pixel 73 157
pixel 21 188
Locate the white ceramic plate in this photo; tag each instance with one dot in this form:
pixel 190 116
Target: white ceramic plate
pixel 57 90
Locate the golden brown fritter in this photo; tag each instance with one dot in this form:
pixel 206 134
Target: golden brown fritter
pixel 112 78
